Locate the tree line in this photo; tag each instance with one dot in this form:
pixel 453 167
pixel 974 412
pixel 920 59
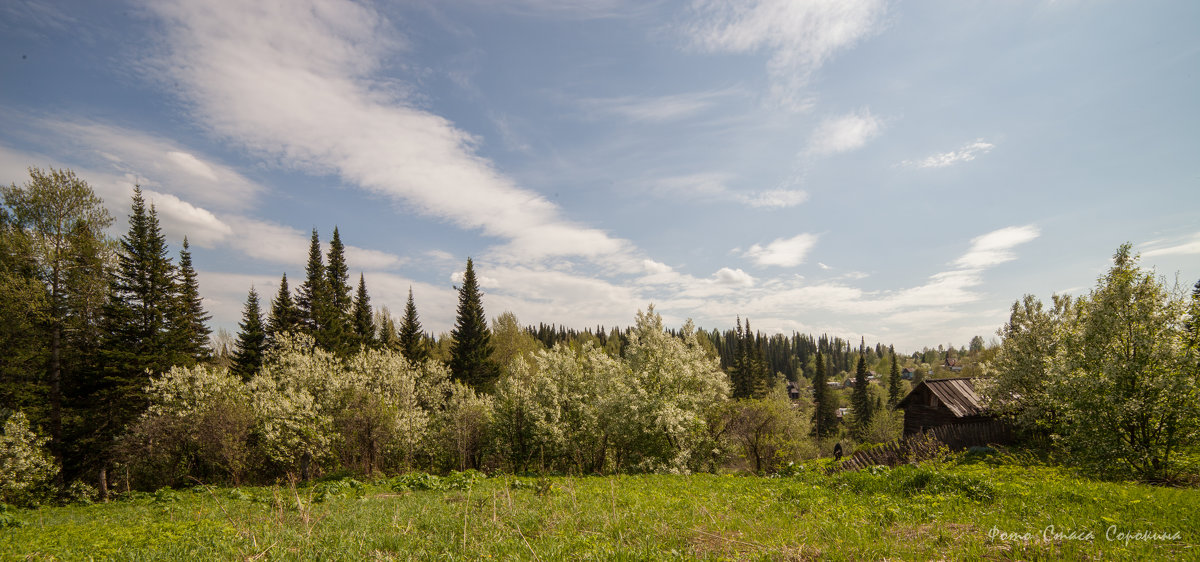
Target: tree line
pixel 101 332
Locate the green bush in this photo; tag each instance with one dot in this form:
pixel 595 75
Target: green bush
pixel 341 488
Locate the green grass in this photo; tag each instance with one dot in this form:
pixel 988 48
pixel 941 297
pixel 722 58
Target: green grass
pixel 929 512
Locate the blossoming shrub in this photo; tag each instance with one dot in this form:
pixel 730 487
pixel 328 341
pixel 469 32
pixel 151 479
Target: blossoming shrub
pixel 26 468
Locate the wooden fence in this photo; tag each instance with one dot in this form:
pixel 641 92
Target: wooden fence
pixel 928 444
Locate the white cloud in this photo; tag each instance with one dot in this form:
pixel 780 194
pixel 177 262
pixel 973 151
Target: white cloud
pixel 154 162
pixel 737 277
pixel 800 35
pixel 179 218
pixel 996 247
pixel 966 153
pixel 299 82
pixel 192 165
pixel 783 252
pixel 277 243
pixel 362 258
pixel 845 133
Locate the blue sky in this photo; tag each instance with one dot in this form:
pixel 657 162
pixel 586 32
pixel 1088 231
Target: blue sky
pixel 901 171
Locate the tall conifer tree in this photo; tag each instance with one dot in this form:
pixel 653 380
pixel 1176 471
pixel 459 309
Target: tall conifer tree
pixel 412 340
pixel 741 384
pixel 860 399
pixel 756 365
pixel 251 340
pixel 893 379
pixel 825 413
pixel 284 315
pixel 364 327
pixel 191 323
pixel 471 352
pixel 319 313
pixel 137 340
pixel 338 275
pixel 313 294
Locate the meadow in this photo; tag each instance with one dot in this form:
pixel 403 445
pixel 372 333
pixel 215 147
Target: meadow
pixel 969 507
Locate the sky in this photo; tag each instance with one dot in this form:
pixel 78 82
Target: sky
pixel 898 171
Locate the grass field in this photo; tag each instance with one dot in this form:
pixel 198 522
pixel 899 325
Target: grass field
pixel 956 510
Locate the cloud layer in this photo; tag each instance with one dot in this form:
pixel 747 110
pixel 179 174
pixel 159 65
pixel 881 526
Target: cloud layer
pixel 297 82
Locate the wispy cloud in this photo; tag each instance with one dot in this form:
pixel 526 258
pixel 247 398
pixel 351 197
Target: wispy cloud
pixel 844 133
pixel 655 108
pixel 299 82
pixel 783 252
pixel 714 187
pixel 155 162
pixel 1173 248
pixel 800 36
pixel 995 247
pixel 966 153
pixel 773 198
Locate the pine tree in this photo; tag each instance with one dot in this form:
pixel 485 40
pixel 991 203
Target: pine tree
pixel 284 315
pixel 893 379
pixel 471 352
pixel 825 413
pixel 412 340
pixel 137 342
pixel 190 324
pixel 251 340
pixel 364 328
pixel 860 399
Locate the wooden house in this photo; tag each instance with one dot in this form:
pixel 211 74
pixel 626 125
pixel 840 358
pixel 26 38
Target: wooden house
pixel 940 402
pixel 793 390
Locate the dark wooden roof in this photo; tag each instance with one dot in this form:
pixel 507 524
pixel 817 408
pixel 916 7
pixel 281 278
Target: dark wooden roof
pixel 958 394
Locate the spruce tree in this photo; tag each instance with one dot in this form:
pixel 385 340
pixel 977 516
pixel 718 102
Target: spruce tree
pixel 190 325
pixel 284 315
pixel 412 340
pixel 313 295
pixel 471 352
pixel 741 359
pixel 388 337
pixel 893 379
pixel 338 275
pixel 251 340
pixel 364 327
pixel 137 342
pixel 860 399
pixel 825 413
pixel 338 335
pixel 319 314
pixel 756 366
pixel 820 393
